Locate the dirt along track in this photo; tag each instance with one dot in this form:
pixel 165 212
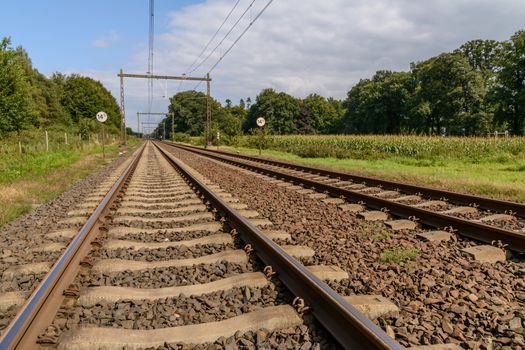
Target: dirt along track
pixel 444 294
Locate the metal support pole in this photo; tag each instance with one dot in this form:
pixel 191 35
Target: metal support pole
pixel 208 110
pixel 172 126
pixel 122 113
pixel 138 123
pixel 103 141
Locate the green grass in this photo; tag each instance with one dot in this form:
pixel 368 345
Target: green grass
pixel 31 179
pixel 499 176
pixel 399 254
pixel 382 235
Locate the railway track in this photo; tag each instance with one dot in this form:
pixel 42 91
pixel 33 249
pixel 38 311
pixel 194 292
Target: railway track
pixel 482 219
pixel 168 259
pixel 444 295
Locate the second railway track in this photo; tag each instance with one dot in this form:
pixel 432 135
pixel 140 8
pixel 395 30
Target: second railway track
pixel 483 219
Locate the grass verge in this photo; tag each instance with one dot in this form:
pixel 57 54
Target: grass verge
pixel 29 180
pixel 497 178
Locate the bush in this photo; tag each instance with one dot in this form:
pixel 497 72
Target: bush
pixel 181 137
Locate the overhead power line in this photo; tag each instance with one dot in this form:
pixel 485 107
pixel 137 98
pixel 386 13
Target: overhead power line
pixel 240 36
pixel 224 38
pixel 237 40
pixel 213 37
pixel 208 44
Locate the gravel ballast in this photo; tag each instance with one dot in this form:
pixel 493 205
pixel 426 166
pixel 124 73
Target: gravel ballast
pixel 444 296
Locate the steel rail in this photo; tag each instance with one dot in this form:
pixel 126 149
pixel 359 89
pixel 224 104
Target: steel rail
pixel 38 311
pixel 471 229
pixel 433 193
pixel 349 327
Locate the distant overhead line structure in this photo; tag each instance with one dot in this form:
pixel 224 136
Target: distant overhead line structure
pixel 207 79
pixel 167 114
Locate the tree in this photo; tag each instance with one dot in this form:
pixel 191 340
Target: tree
pixel 16 105
pixel 508 93
pixel 338 106
pixel 190 111
pixel 279 109
pixel 317 115
pixel 83 97
pixel 483 56
pixel 453 93
pixel 380 105
pixel 231 119
pixel 396 91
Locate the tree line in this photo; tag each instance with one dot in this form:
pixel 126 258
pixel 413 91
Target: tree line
pixel 29 99
pixel 474 90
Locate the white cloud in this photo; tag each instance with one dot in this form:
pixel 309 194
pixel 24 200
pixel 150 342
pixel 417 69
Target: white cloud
pixel 303 47
pixel 105 41
pixel 327 46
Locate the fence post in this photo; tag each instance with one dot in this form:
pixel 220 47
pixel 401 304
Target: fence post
pixel 20 147
pixel 65 137
pixel 47 142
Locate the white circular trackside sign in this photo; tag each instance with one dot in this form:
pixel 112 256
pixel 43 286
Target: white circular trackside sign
pixel 102 117
pixel 261 122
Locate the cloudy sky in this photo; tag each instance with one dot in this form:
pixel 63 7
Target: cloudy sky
pixel 296 46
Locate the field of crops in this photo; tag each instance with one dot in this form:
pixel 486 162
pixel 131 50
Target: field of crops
pixel 381 147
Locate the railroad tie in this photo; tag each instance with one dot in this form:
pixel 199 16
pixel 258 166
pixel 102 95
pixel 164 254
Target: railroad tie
pixel 271 318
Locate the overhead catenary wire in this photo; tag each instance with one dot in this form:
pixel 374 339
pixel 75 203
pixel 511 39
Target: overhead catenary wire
pixel 208 44
pixel 240 36
pixel 237 40
pixel 224 38
pixel 213 37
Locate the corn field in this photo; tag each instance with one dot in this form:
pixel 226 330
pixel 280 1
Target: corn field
pixel 377 147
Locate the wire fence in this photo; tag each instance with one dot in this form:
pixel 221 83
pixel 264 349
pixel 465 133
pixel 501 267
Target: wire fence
pixel 34 142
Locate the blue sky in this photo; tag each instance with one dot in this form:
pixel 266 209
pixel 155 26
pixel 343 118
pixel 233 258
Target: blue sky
pixel 297 46
pixel 62 34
